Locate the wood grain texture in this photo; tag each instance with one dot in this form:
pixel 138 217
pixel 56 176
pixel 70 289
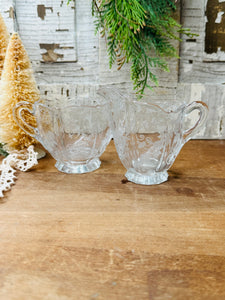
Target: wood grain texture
pixel 96 236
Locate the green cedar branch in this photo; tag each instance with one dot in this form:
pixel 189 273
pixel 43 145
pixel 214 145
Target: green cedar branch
pixel 139 32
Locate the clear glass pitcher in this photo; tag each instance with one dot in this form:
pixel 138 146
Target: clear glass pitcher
pixel 149 137
pixel 75 132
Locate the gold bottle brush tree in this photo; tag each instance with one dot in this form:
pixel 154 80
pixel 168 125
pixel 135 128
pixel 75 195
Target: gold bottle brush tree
pixel 17 84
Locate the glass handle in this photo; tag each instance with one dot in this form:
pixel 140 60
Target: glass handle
pixel 17 114
pixel 203 112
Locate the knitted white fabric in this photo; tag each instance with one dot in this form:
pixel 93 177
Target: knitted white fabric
pixel 17 160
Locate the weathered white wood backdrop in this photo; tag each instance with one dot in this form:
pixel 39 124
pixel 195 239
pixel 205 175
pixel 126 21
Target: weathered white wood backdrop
pixel 202 75
pixel 65 51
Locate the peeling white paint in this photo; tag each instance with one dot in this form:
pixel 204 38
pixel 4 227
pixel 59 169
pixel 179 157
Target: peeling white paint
pixel 196 92
pixel 218 56
pixel 187 68
pixel 219 17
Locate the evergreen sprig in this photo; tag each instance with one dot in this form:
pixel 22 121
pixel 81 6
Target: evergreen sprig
pixel 139 32
pixel 2 150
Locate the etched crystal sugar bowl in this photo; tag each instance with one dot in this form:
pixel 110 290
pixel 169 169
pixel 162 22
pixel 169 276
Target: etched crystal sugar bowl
pixel 75 131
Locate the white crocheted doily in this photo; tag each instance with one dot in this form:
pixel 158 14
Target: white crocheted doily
pixel 17 160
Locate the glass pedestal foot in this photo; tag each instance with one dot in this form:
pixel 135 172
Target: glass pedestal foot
pixel 150 179
pixel 73 168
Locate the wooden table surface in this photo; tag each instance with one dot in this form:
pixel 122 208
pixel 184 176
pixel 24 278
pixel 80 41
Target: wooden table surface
pixel 96 236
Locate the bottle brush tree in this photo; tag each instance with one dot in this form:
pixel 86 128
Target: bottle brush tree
pixel 4 40
pixel 17 84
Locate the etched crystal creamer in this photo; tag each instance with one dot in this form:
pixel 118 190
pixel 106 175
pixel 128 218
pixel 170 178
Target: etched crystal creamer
pixel 75 132
pixel 148 137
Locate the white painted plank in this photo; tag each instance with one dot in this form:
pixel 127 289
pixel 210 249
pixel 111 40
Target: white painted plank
pixel 47 28
pixel 214 96
pixel 201 76
pixel 6 9
pixel 196 66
